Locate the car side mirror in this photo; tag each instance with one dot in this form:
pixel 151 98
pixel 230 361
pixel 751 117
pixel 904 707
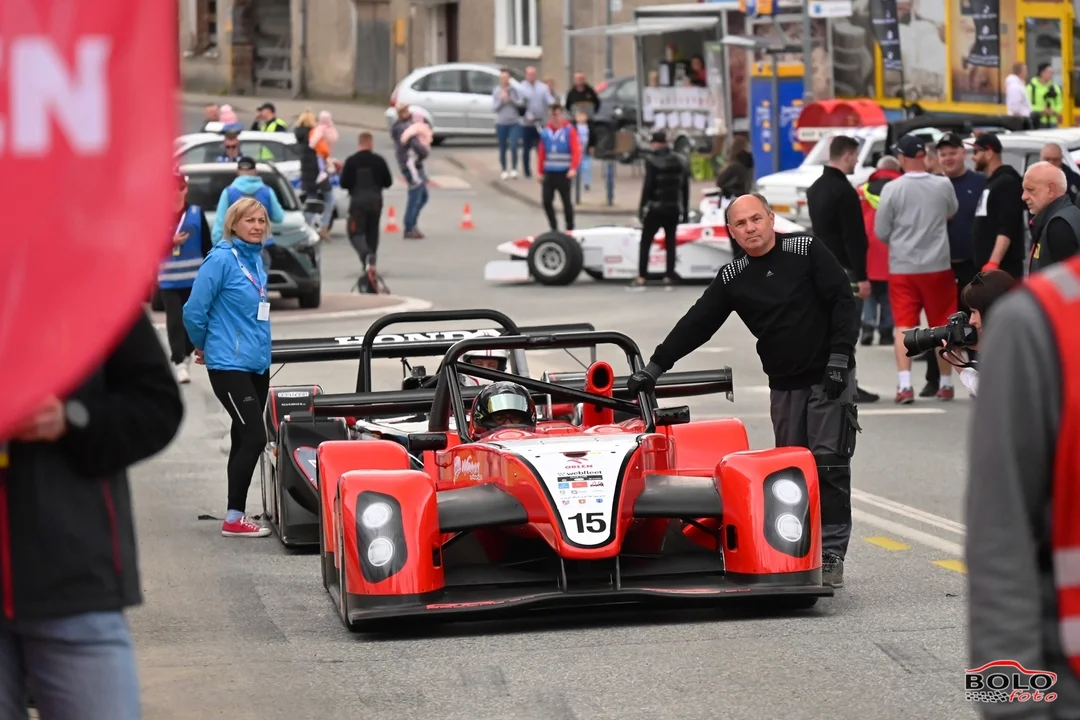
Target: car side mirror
pixel 419 442
pixel 672 416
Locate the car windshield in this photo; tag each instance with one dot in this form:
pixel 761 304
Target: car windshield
pixel 204 189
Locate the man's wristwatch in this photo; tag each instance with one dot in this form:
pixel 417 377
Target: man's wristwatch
pixel 76 414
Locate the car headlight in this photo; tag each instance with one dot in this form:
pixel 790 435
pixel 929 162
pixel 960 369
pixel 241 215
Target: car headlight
pixel 788 527
pixel 786 491
pixel 380 551
pixel 376 515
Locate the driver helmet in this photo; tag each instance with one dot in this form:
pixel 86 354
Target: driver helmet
pixel 502 405
pixel 491 359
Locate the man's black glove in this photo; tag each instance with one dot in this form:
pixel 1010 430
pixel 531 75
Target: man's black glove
pixel 644 380
pixel 837 375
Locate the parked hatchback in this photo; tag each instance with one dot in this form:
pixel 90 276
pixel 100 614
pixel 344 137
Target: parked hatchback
pixel 453 98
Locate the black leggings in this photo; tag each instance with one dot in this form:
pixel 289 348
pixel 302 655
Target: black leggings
pixel 655 220
pixel 180 347
pixel 364 230
pixel 557 183
pixel 243 395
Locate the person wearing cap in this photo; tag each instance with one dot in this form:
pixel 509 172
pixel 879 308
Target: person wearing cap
pixel 665 202
pixel 1047 98
pixel 176 275
pixel 557 159
pixel 247 184
pixel 268 121
pixel 968 186
pixel 912 219
pixel 998 231
pixel 1055 220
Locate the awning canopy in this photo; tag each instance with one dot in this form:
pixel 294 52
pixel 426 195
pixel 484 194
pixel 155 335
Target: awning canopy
pixel 648 26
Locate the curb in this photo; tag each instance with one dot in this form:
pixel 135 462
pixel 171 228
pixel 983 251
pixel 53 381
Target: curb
pixel 407 304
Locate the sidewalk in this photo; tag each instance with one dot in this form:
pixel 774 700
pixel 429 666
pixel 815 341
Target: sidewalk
pixel 352 115
pixel 483 164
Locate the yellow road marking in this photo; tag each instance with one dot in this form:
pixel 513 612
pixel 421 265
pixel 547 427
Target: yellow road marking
pixel 887 543
pixel 954 565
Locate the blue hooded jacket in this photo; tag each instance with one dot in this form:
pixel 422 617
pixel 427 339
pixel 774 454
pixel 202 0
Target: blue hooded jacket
pixel 221 316
pixel 247 185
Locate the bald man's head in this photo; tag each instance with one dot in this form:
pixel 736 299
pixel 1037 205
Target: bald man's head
pixel 1043 184
pixel 1053 154
pixel 750 223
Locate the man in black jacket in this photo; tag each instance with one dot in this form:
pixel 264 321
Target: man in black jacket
pixel 364 176
pixel 837 220
pixel 796 299
pixel 665 202
pixel 1055 220
pixel 582 98
pixel 998 230
pixel 68 564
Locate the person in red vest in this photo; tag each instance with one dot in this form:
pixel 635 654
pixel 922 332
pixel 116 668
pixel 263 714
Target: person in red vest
pixel 1023 496
pixel 877 313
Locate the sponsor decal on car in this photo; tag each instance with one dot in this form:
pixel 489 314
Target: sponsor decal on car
pixel 468 467
pixel 294 394
pixel 416 337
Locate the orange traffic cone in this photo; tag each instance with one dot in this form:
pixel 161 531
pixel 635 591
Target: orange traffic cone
pixel 391 221
pixel 466 219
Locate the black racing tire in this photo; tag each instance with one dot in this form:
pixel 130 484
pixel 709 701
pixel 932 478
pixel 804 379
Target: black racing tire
pixel 555 258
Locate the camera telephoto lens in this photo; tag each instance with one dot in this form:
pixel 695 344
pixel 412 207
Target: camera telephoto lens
pixel 920 340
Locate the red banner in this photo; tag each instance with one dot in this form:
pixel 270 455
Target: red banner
pixel 88 113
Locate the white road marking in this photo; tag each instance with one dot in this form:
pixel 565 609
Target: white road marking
pixel 909 533
pixel 867 412
pixel 907 511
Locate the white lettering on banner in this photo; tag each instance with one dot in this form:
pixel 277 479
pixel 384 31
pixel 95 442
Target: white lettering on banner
pixel 43 91
pixel 468 467
pixel 293 394
pixel 589 517
pixel 443 335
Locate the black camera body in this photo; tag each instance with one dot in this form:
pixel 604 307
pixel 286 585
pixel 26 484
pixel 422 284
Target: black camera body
pixel 957 332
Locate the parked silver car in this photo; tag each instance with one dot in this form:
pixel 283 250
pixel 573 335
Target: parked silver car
pixel 454 98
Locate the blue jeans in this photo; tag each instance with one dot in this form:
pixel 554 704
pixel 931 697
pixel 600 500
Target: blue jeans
pixel 418 197
pixel 585 170
pixel 80 667
pixel 508 136
pixel 878 302
pixel 328 211
pixel 530 137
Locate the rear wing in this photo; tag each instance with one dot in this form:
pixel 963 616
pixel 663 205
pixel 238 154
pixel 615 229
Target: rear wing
pixel 670 385
pixel 428 343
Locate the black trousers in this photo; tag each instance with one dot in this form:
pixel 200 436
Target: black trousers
pixel 807 418
pixel 243 395
pixel 965 271
pixel 557 183
pixel 180 347
pixel 364 218
pixel 655 220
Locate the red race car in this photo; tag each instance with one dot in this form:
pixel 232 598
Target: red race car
pixel 655 508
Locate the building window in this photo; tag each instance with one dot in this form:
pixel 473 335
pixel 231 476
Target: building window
pixel 517 28
pixel 206 26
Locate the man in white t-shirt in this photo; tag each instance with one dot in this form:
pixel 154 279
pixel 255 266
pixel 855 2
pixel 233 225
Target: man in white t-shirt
pixel 1017 102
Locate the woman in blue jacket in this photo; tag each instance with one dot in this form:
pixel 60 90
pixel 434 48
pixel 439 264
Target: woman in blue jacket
pixel 228 321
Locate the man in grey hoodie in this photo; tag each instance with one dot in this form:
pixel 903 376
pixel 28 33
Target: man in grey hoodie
pixel 538 101
pixel 912 219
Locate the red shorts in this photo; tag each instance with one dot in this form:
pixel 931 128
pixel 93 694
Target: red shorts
pixel 934 293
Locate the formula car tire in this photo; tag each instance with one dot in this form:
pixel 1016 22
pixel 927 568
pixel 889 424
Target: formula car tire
pixel 312 299
pixel 555 258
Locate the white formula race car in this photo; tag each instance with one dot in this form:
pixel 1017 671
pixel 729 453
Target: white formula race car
pixel 610 252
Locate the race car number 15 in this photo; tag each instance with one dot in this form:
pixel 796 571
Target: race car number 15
pixel 590 522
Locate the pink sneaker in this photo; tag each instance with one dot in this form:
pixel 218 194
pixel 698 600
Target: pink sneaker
pixel 244 527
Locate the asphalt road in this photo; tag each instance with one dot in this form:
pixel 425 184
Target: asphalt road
pixel 242 628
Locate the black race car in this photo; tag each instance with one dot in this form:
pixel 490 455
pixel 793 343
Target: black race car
pixel 287 467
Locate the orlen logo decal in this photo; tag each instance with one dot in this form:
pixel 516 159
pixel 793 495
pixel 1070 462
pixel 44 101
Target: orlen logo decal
pixel 1007 681
pixel 305 460
pixel 294 394
pixel 466 466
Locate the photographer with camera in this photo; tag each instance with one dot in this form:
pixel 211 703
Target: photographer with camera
pixel 957 340
pixel 795 298
pixel 1023 490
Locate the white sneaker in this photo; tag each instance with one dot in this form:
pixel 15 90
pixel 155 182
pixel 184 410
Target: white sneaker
pixel 513 174
pixel 182 375
pixel 505 174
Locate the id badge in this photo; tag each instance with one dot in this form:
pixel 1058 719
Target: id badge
pixel 264 312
